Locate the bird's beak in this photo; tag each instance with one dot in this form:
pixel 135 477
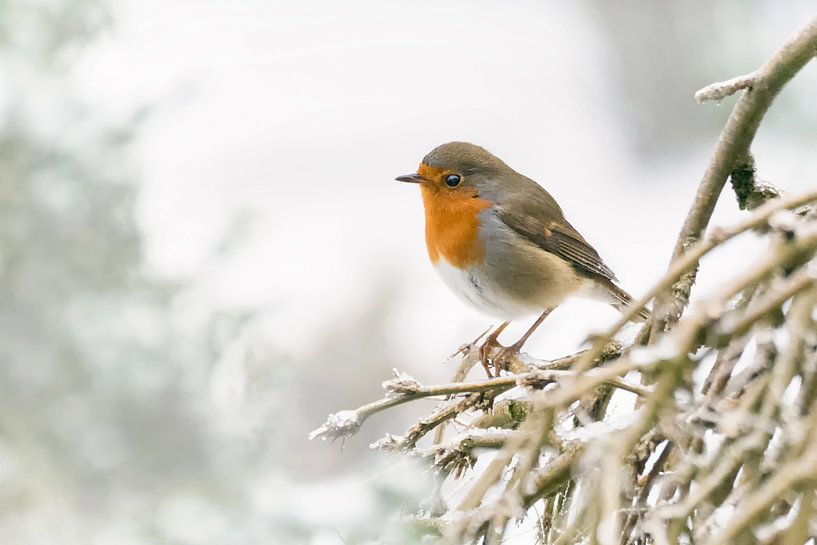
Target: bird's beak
pixel 411 178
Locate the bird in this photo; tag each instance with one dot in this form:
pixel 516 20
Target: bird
pixel 502 244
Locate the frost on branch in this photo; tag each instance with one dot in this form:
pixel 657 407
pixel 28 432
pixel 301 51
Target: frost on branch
pixel 699 430
pixel 400 384
pixel 338 425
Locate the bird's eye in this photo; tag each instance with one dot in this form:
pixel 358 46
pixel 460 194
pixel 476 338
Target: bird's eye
pixel 453 180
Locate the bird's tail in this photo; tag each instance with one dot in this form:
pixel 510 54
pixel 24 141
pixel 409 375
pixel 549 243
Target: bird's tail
pixel 622 300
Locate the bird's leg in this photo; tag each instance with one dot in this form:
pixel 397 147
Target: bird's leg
pixel 503 358
pixel 488 346
pixel 517 346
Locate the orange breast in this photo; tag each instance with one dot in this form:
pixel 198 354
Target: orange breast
pixel 451 225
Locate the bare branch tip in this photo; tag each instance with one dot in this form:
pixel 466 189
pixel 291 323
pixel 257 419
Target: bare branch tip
pixel 338 425
pixel 389 443
pixel 722 89
pixel 400 384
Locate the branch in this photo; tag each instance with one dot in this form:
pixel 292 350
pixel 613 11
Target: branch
pixel 735 443
pixel 722 89
pixel 791 475
pixel 554 474
pixel 687 262
pixel 737 326
pixel 738 134
pixel 457 455
pixel 749 190
pixel 403 388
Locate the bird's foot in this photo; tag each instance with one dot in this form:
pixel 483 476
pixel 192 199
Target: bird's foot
pixel 486 351
pixel 506 358
pixel 487 348
pixel 500 358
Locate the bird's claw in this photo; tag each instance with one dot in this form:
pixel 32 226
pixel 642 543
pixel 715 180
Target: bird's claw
pixel 504 359
pixel 486 356
pixel 500 360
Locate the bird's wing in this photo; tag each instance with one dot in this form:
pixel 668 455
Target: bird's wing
pixel 538 219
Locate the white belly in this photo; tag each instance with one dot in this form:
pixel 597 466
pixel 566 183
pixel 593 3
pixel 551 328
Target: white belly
pixel 479 292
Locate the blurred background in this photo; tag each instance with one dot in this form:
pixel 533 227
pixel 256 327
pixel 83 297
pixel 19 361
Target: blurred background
pixel 202 251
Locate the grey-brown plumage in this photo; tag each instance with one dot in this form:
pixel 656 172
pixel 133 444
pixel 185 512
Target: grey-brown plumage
pixel 531 213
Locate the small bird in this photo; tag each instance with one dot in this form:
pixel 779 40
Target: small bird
pixel 502 243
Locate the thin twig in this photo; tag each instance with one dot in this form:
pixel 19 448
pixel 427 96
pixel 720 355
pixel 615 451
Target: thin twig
pixel 735 139
pixel 719 91
pixel 688 261
pixel 405 389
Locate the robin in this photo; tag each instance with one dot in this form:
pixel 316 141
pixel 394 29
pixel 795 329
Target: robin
pixel 502 243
